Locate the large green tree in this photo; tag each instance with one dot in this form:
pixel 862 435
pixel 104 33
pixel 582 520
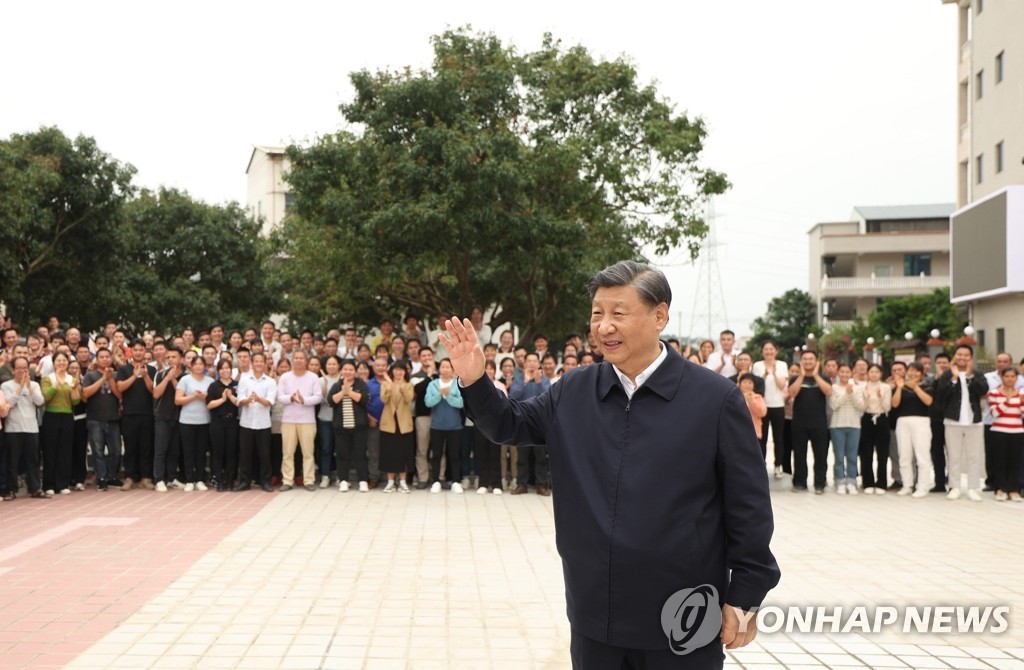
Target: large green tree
pixel 497 178
pixel 61 225
pixel 918 314
pixel 788 320
pixel 193 264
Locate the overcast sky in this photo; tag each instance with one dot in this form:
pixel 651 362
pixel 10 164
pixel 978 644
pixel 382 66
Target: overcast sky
pixel 813 106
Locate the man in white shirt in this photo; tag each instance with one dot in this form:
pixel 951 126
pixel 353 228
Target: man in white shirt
pixel 722 361
pixel 257 392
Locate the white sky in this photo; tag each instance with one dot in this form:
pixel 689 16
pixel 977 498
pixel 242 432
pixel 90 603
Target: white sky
pixel 814 106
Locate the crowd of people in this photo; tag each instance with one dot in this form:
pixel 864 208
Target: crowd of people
pixel 263 408
pixel 926 425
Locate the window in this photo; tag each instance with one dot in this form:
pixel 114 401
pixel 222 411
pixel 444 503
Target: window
pixel 289 201
pixel 978 81
pixel 916 264
pixel 1000 340
pixel 999 67
pixel 981 338
pixel 999 158
pixel 882 271
pixel 978 163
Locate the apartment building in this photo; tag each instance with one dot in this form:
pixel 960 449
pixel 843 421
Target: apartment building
pixel 267 195
pixel 987 230
pixel 881 253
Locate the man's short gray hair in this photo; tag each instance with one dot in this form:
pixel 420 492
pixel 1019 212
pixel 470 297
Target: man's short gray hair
pixel 650 283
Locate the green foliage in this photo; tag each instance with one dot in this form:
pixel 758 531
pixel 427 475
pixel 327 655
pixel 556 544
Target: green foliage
pixel 496 178
pixel 62 225
pixel 790 317
pixel 918 314
pixel 192 264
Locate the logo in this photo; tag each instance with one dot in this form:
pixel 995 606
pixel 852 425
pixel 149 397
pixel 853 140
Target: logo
pixel 691 618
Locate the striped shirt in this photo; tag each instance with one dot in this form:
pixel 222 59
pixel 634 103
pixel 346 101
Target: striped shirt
pixel 1006 412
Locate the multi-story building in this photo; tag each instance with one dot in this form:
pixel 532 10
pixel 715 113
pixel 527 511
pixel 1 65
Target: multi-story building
pixel 881 253
pixel 987 231
pixel 268 197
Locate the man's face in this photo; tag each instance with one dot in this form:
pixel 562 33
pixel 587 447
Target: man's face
pixel 808 361
pixel 286 343
pixel 549 367
pixel 330 348
pixel 173 359
pixel 540 344
pixel 82 354
pixel 830 368
pixel 139 353
pixel 103 359
pixel 210 356
pixel 21 370
pixel 118 339
pixel 860 368
pixel 380 367
pixel 74 336
pixel 413 351
pixel 569 364
pixel 188 337
pixel 386 328
pixel 299 362
pixel 397 348
pixel 941 365
pixel 963 359
pixel 10 339
pixel 243 360
pixel 727 340
pixel 626 329
pixel 899 370
pixel 532 363
pixel 267 330
pixel 427 359
pixel 259 364
pixel 53 323
pixel 744 362
pixel 307 341
pixel 926 363
pixel 1003 361
pixel 350 339
pixel 204 340
pixel 490 352
pixel 506 340
pixel 217 334
pixel 520 355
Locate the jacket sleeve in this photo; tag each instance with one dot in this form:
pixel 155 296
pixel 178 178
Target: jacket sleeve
pixel 505 420
pixel 364 392
pixel 858 399
pixel 335 388
pixel 455 396
pixel 746 506
pixel 433 394
pixel 407 393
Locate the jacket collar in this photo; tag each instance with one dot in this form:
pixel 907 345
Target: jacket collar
pixel 663 382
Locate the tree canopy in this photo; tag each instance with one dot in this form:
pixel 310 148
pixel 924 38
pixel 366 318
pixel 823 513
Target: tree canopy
pixel 497 178
pixel 788 320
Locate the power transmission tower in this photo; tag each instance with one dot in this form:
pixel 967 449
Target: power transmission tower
pixel 709 315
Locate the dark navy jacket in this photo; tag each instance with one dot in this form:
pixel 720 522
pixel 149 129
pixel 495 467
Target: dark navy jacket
pixel 662 492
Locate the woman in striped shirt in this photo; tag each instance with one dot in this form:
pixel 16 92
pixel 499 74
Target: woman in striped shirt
pixel 1004 402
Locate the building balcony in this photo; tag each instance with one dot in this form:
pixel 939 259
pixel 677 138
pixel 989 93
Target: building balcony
pixel 920 242
pixel 834 324
pixel 964 64
pixel 881 286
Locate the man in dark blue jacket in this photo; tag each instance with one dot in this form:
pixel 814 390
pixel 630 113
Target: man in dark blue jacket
pixel 662 515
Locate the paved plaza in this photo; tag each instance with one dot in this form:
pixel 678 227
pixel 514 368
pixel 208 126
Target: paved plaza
pixel 367 580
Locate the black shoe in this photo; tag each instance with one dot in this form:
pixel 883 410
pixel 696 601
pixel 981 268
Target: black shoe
pixel 116 483
pixel 799 489
pixel 242 487
pixel 938 488
pixel 819 492
pixel 101 485
pixel 421 485
pixel 221 488
pixel 895 486
pixel 267 487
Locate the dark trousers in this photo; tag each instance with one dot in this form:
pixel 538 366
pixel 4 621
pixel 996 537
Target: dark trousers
pixel 776 418
pixel 818 437
pixel 224 446
pixel 490 460
pixel 18 446
pixel 448 442
pixel 470 455
pixel 1004 466
pixel 137 433
pixel 248 440
pixel 57 434
pixel 324 446
pixel 79 448
pixel 787 448
pixel 588 654
pixel 939 450
pixel 874 440
pixel 541 472
pixel 989 457
pixel 350 446
pixel 194 441
pixel 276 454
pixel 166 450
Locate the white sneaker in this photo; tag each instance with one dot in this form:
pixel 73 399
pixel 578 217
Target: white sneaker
pixel 200 486
pixel 841 489
pixel 778 472
pixel 456 487
pixel 343 486
pixel 190 487
pixel 1001 496
pixel 161 487
pixel 325 481
pixel 465 483
pixel 921 492
pixel 65 492
pixel 403 487
pixel 79 486
pixel 482 490
pixel 974 495
pixel 851 488
pixel 50 492
pixel 498 492
pixel 905 491
pixel 390 488
pixel 435 487
pixel 363 487
pixel 176 484
pixel 879 491
pixel 954 494
pixel 869 490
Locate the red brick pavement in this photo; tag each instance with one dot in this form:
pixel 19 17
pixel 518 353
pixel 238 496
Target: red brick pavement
pixel 74 567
